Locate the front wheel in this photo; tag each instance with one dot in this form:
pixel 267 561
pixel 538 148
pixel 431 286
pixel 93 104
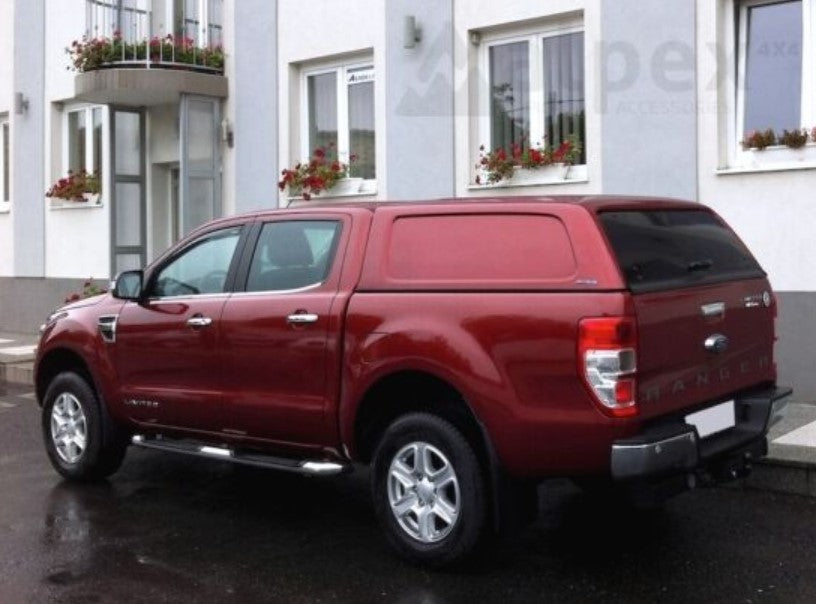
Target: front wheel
pixel 81 440
pixel 429 491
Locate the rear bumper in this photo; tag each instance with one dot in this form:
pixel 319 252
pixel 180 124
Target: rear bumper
pixel 674 447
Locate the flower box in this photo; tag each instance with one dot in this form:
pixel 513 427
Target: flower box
pixel 534 176
pixel 322 173
pixel 519 166
pixel 778 155
pixel 78 187
pixel 344 186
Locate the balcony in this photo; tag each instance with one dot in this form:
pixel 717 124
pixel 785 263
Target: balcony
pixel 128 57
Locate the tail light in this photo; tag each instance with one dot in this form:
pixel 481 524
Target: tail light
pixel 607 362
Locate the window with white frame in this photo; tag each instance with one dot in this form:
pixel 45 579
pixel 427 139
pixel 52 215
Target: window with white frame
pixel 5 161
pixel 83 140
pixel 199 20
pixel 135 20
pixel 776 87
pixel 339 114
pixel 131 18
pixel 534 88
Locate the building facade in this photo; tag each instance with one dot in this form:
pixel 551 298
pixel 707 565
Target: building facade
pixel 659 94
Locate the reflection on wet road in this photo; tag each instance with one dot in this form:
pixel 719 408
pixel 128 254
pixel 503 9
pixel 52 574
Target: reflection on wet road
pixel 172 529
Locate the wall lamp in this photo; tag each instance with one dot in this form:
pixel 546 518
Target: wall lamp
pixel 411 32
pixel 227 134
pixel 20 103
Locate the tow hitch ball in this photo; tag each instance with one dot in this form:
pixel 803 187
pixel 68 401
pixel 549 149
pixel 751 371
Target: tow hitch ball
pixel 739 468
pixel 730 470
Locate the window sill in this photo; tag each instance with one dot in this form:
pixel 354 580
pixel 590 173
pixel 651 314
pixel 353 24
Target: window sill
pixel 789 167
pixel 344 188
pixel 546 183
pixel 298 201
pixel 73 205
pixel 538 178
pixel 773 159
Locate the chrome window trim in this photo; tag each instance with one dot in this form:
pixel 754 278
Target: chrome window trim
pixel 188 297
pixel 266 292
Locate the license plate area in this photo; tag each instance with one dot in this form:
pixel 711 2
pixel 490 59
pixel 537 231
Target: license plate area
pixel 714 419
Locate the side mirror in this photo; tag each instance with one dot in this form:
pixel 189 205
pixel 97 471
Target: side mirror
pixel 128 285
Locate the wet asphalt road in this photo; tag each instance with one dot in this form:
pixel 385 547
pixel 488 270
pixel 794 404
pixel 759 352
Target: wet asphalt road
pixel 176 529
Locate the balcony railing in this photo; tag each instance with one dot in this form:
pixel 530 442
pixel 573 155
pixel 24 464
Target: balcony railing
pixel 128 33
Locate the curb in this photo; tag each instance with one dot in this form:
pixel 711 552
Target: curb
pixel 782 476
pixel 17 373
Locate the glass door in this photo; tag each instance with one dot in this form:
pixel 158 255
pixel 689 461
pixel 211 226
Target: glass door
pixel 175 206
pixel 200 161
pixel 128 213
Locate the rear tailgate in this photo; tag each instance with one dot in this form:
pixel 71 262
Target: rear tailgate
pixel 704 311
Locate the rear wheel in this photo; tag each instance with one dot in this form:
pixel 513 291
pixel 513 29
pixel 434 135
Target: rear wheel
pixel 80 438
pixel 429 491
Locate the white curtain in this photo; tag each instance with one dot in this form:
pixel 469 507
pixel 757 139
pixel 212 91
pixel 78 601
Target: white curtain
pixel 564 108
pixel 509 95
pixel 361 128
pixel 322 111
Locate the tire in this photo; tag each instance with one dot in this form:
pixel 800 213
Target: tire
pixel 95 446
pixel 441 515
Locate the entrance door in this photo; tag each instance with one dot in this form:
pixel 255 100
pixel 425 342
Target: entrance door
pixel 175 206
pixel 128 210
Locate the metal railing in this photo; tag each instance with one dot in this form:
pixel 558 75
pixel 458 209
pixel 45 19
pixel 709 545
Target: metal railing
pixel 134 35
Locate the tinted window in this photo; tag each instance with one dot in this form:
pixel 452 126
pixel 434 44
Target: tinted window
pixel 564 105
pixel 480 248
pixel 677 248
pixel 293 254
pixel 773 67
pixel 201 268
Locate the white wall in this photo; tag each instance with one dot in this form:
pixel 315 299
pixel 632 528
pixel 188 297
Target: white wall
pixel 77 239
pixel 78 243
pixel 773 211
pixel 334 29
pixel 486 16
pixel 6 92
pixel 649 134
pixel 228 201
pixel 7 56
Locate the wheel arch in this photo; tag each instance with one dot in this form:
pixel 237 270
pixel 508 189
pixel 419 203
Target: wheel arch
pixel 406 391
pixel 54 362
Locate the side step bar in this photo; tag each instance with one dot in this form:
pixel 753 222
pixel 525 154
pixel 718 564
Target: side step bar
pixel 298 466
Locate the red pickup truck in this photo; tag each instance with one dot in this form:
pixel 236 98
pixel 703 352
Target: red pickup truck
pixel 465 349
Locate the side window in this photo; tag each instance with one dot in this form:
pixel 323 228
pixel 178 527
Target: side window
pixel 293 254
pixel 771 45
pixel 537 89
pixel 201 268
pixel 339 115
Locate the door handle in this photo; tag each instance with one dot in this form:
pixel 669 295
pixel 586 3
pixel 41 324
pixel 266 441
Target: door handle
pixel 199 321
pixel 301 318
